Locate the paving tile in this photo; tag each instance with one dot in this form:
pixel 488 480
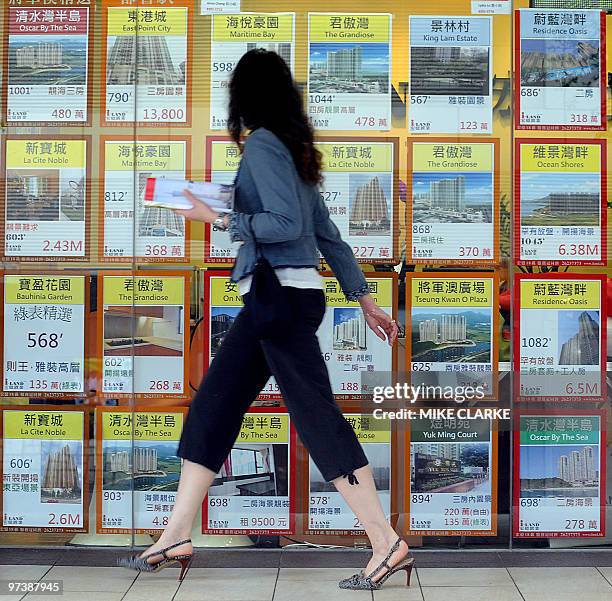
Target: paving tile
pixel 471 593
pixel 471 577
pixel 287 590
pixel 111 580
pixel 14 597
pixel 607 574
pixel 163 591
pixel 164 577
pixel 398 593
pixel 563 596
pixel 23 572
pixel 77 596
pixel 547 581
pixel 395 589
pixel 227 584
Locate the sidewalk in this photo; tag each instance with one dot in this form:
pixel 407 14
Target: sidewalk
pixel 313 584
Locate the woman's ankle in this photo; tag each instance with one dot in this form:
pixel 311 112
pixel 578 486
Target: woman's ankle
pixel 382 543
pixel 172 537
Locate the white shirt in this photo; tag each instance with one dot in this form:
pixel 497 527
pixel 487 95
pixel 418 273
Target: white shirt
pixel 296 277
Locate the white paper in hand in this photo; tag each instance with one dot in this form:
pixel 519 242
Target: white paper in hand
pixel 168 194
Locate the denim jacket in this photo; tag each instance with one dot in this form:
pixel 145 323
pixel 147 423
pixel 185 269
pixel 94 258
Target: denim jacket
pixel 286 216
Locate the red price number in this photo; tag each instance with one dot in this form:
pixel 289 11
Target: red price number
pixel 156 250
pixel 64 519
pixel 64 246
pixel 578 250
pixel 469 251
pixel 159 385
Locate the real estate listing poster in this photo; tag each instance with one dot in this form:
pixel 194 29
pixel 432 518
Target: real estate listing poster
pixel 159 235
pixel 232 36
pixel 222 303
pixel 144 335
pixel 47 50
pixel 328 512
pixel 146 63
pixel 451 75
pixel 137 468
pixel 560 201
pixel 361 191
pixel 452 484
pixel 222 161
pixel 350 349
pixel 560 333
pixel 46 201
pixel 559 474
pixel 349 71
pixel 561 65
pixel 44 335
pixel 254 492
pixel 44 469
pixel 452 324
pixel 453 192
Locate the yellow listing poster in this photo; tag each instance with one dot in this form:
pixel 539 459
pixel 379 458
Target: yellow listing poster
pixel 452 319
pixel 360 191
pixel 254 492
pixel 328 512
pixel 560 329
pixel 147 63
pixel 160 234
pixel 352 351
pixel 560 201
pixel 44 470
pixel 223 303
pixel 46 198
pixel 222 160
pixel 349 71
pixel 143 335
pixel 232 36
pixel 44 332
pixel 136 449
pixel 453 193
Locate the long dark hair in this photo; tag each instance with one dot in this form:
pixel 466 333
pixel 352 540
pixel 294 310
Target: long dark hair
pixel 262 93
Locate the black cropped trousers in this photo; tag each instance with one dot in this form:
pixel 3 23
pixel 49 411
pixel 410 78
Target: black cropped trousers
pixel 241 368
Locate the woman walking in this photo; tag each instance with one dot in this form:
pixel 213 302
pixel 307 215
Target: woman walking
pixel 278 214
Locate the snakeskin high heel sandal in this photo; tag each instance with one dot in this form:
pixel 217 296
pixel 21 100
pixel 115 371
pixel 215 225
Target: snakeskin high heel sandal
pixel 141 564
pixel 362 582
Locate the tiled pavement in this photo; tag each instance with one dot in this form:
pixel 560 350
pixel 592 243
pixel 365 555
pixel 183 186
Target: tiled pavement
pixel 311 584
